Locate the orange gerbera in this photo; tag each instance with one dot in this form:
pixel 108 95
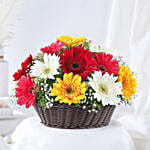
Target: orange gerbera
pixel 128 82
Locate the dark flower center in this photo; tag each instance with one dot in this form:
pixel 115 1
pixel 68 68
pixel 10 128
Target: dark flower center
pixel 69 91
pixel 75 65
pixel 31 90
pixel 102 68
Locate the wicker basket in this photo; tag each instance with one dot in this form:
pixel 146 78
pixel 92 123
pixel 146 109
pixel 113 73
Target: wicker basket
pixel 72 117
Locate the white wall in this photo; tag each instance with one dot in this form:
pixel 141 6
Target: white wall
pixel 48 19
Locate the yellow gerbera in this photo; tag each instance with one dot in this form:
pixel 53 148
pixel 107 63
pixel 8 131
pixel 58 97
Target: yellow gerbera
pixel 70 89
pixel 71 41
pixel 128 82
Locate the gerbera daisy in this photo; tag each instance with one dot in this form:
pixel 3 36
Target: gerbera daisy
pixel 54 48
pixel 71 41
pixel 78 61
pixel 17 75
pixel 46 69
pixel 106 64
pixel 95 48
pixel 25 92
pixel 26 64
pixel 128 82
pixel 106 88
pixel 25 68
pixel 69 90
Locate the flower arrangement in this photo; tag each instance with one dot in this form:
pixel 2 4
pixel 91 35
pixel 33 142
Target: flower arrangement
pixel 74 71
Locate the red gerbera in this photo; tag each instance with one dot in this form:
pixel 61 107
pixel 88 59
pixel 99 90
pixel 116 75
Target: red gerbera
pixel 106 64
pixel 17 75
pixel 25 92
pixel 27 62
pixel 54 48
pixel 78 61
pixel 25 67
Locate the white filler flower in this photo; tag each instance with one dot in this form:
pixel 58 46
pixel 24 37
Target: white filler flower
pixel 46 69
pixel 106 88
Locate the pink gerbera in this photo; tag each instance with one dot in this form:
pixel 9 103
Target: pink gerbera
pixel 54 48
pixel 25 92
pixel 105 63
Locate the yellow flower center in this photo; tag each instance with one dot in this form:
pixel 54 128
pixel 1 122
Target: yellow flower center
pixel 47 71
pixel 103 89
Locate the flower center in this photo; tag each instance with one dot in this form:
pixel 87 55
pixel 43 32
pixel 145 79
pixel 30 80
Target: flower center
pixel 69 90
pixel 102 68
pixel 75 65
pixel 47 71
pixel 124 82
pixel 30 90
pixel 103 89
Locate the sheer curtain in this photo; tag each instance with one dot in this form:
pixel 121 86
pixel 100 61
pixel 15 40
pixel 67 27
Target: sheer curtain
pixel 129 33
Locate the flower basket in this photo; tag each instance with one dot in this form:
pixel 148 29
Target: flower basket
pixel 74 84
pixel 72 117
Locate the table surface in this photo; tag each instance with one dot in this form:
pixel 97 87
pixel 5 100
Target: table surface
pixel 31 135
pixel 9 123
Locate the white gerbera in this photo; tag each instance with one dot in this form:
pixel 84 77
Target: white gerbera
pixel 95 48
pixel 46 69
pixel 100 49
pixel 106 88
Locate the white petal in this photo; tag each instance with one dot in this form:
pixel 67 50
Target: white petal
pixel 51 62
pixel 113 88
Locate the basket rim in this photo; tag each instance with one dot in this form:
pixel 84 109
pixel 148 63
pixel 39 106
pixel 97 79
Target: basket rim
pixel 65 106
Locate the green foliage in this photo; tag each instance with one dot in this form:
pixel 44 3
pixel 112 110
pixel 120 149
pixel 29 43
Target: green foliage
pixel 123 100
pixel 40 56
pixel 43 96
pixel 86 45
pixel 77 105
pixel 91 101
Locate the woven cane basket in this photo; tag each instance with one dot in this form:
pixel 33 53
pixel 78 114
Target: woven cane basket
pixel 72 117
